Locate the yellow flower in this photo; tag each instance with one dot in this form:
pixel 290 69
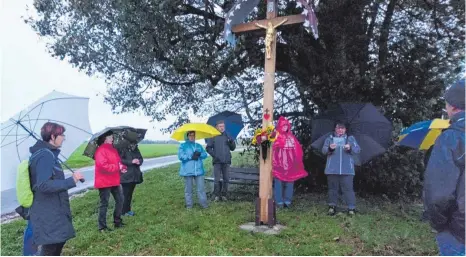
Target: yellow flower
pixel 269 129
pixel 272 139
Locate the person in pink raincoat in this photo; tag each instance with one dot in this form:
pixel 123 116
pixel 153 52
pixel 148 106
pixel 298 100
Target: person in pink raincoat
pixel 287 163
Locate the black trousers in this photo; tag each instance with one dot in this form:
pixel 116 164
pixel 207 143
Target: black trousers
pixel 128 190
pixel 104 194
pixel 52 249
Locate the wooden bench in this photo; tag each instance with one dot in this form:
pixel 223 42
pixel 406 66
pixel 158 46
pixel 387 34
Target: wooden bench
pixel 241 176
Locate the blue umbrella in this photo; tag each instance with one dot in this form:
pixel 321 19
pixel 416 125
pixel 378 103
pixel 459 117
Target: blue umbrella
pixel 233 122
pixel 422 135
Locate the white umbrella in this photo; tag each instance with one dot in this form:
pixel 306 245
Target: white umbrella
pixel 23 130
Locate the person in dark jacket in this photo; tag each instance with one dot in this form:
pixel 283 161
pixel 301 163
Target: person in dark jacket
pixel 132 158
pixel 220 148
pixel 50 212
pixel 107 180
pixel 444 178
pixel 340 148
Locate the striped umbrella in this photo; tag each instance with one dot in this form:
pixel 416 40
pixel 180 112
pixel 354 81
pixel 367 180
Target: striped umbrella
pixel 422 135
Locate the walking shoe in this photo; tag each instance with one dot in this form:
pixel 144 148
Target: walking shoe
pixel 106 229
pixel 119 224
pixel 351 212
pixel 287 205
pixel 216 199
pixel 280 206
pixel 130 213
pixel 331 211
pixel 224 198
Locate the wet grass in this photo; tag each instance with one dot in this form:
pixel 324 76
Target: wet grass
pixel 162 225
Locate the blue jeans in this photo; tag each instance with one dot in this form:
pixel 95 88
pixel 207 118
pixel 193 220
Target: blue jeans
pixel 29 249
pixel 345 182
pixel 188 191
pixel 448 244
pixel 283 196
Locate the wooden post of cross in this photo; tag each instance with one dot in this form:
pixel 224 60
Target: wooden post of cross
pixel 266 206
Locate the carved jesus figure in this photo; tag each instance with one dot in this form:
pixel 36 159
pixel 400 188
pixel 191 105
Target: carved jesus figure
pixel 270 29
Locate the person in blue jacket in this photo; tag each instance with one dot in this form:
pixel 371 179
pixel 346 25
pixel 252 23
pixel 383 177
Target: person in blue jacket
pixel 340 149
pixel 444 178
pixel 192 155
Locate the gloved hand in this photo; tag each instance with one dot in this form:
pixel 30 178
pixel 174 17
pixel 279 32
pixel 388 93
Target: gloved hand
pixel 196 155
pixel 23 212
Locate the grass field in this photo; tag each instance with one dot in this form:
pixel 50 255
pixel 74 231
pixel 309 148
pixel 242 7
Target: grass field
pixel 78 160
pixel 162 226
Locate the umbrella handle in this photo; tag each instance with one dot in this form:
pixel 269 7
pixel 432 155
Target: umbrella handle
pixel 72 171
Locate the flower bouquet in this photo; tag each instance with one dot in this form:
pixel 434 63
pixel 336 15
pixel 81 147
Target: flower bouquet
pixel 264 138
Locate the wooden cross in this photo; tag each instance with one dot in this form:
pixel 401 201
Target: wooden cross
pixel 266 208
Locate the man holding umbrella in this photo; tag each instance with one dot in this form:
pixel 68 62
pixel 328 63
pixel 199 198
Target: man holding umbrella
pixel 444 178
pixel 220 148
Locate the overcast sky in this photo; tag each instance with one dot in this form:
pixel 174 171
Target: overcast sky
pixel 28 72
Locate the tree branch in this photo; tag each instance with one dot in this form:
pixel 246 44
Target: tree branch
pixel 188 9
pixel 385 32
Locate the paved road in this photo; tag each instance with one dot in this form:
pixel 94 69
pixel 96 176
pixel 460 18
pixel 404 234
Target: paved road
pixel 8 198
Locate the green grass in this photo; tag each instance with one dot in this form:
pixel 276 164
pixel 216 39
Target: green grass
pixel 78 160
pixel 162 226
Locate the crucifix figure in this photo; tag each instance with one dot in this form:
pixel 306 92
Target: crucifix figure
pixel 269 36
pixel 265 207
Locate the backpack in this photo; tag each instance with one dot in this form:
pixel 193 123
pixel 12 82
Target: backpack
pixel 24 192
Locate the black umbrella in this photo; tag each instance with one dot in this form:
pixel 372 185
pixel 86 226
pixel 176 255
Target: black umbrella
pixel 372 130
pixel 123 136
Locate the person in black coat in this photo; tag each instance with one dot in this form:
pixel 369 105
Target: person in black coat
pixel 50 213
pixel 220 147
pixel 132 158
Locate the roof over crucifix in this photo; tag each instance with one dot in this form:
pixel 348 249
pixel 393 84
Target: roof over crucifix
pixel 242 8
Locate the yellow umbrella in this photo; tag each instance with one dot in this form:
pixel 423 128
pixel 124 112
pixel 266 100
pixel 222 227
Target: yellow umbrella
pixel 202 131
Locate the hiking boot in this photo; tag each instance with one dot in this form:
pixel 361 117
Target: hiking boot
pixel 331 211
pixel 224 198
pixel 351 212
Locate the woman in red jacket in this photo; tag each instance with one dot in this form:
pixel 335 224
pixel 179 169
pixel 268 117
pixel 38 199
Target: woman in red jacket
pixel 107 179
